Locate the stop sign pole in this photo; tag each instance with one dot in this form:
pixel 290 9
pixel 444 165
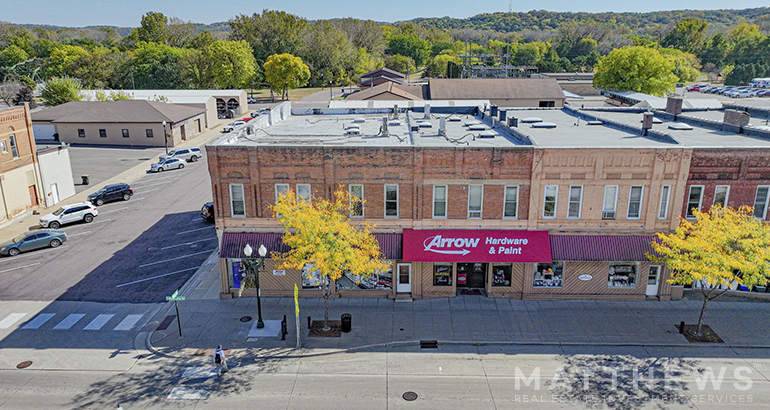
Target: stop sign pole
pixel 175 297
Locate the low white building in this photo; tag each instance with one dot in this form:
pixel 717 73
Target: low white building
pixel 56 174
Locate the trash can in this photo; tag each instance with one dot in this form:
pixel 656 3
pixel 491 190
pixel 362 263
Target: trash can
pixel 86 179
pixel 347 323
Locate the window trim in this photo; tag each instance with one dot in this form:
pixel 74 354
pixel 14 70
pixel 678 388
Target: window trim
pixel 727 195
pixel 350 201
pixel 385 202
pixel 309 189
pixel 687 201
pixel 580 201
pixel 102 133
pixel 614 203
pixel 243 195
pixel 641 202
pixel 505 195
pixel 275 189
pixel 446 202
pixel 149 133
pixel 661 208
pixel 767 201
pixel 481 203
pixel 555 203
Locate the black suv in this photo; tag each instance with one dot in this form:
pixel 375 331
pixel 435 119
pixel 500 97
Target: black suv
pixel 111 193
pixel 207 212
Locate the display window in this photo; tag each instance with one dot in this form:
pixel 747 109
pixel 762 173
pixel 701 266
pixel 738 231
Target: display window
pixel 378 280
pixel 502 275
pixel 442 274
pixel 622 275
pixel 311 277
pixel 549 275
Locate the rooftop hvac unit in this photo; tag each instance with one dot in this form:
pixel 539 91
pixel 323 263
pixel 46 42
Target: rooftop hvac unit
pixel 353 131
pixel 493 111
pixel 679 126
pixel 471 123
pixel 414 128
pixel 424 124
pixel 513 122
pixel 477 127
pixel 352 127
pixel 359 120
pixel 531 120
pixel 543 124
pixel 394 123
pixel 454 118
pixel 486 134
pixel 502 115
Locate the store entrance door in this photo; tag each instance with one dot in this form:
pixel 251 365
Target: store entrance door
pixel 404 278
pixel 471 275
pixel 652 281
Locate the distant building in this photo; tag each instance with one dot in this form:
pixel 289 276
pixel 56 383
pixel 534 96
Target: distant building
pixel 390 91
pixel 503 92
pixel 381 76
pixel 125 122
pixel 55 174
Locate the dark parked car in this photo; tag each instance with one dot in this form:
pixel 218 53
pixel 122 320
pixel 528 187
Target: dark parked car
pixel 30 241
pixel 207 212
pixel 111 193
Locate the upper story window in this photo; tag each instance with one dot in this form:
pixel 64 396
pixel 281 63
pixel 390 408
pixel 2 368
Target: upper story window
pixel 610 205
pixel 81 133
pixel 237 202
pixel 439 201
pixel 3 147
pixel 102 133
pixel 760 202
pixel 148 131
pixel 280 189
pixel 303 192
pixel 475 200
pixel 125 132
pixel 391 201
pixel 511 202
pixel 575 202
pixel 635 202
pixel 665 195
pixel 550 200
pixel 694 199
pixel 14 148
pixel 356 200
pixel 721 195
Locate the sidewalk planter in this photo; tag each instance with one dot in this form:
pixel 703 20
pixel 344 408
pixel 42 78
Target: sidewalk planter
pixel 677 291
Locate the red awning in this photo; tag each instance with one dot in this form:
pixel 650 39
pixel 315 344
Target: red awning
pixel 233 243
pixel 601 247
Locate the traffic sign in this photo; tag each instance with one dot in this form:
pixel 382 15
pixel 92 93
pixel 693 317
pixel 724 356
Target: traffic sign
pixel 175 297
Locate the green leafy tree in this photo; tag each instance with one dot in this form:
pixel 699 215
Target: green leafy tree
pixel 411 46
pixel 402 64
pixel 284 72
pixel 232 63
pixel 636 68
pixel 528 54
pixel 688 34
pixel 179 32
pixel 438 65
pixel 153 29
pixel 114 95
pixel 329 54
pixel 686 65
pixel 61 90
pixel 158 66
pixel 272 32
pixel 715 51
pixel 63 58
pixel 12 55
pixel 744 31
pixel 364 34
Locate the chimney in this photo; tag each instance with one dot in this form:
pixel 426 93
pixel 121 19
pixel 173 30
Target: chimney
pixel 395 110
pixel 384 126
pixel 442 126
pixel 513 122
pixel 647 122
pixel 493 111
pixel 674 105
pixel 503 113
pixel 735 120
pixel 427 111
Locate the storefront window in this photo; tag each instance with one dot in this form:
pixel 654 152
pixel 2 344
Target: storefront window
pixel 377 280
pixel 442 274
pixel 311 278
pixel 549 275
pixel 501 274
pixel 622 276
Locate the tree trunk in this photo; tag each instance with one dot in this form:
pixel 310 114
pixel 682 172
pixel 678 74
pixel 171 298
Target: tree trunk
pixel 706 299
pixel 326 307
pixel 272 95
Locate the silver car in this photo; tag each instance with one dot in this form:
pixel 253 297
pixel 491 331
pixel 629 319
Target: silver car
pixel 171 163
pixel 67 214
pixel 190 154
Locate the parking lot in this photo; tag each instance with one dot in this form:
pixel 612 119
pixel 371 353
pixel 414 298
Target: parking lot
pixel 137 251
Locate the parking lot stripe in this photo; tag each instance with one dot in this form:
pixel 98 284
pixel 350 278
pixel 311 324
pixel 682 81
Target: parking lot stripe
pixel 69 321
pixel 187 243
pixel 177 258
pixel 149 190
pixel 11 319
pixel 152 178
pixel 112 210
pixel 39 320
pixel 147 186
pixel 99 322
pixel 194 230
pixel 19 267
pixel 156 277
pixel 128 322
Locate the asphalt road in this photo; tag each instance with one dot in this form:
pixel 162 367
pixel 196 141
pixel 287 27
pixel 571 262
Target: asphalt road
pixel 137 251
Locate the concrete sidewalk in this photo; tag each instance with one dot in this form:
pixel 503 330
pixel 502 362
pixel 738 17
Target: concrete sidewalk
pixel 208 321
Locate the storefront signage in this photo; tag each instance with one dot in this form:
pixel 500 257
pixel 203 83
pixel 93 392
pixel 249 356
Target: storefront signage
pixel 476 246
pixel 279 272
pixel 586 277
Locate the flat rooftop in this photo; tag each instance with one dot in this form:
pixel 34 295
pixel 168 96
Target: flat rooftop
pixel 697 137
pixel 366 130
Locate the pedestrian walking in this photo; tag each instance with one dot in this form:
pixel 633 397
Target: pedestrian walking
pixel 219 360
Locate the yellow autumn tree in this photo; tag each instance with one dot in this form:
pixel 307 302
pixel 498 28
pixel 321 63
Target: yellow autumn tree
pixel 318 232
pixel 723 247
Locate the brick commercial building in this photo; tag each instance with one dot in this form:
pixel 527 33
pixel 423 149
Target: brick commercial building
pixel 543 204
pixel 20 186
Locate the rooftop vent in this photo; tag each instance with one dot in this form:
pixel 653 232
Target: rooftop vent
pixel 394 123
pixel 679 126
pixel 472 122
pixel 424 124
pixel 360 120
pixel 543 124
pixel 654 120
pixel 454 118
pixel 477 127
pixel 352 127
pixel 486 134
pixel 531 120
pixel 594 122
pixel 353 131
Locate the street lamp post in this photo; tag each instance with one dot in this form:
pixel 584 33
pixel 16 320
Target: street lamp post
pixel 165 137
pixel 255 266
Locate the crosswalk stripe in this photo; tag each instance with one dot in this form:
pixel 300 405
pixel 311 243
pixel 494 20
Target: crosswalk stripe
pixel 39 320
pixel 69 321
pixel 99 322
pixel 11 319
pixel 128 322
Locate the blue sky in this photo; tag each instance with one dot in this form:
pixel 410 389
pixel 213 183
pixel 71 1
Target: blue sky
pixel 128 12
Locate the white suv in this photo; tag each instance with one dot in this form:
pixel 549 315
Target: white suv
pixel 81 211
pixel 190 154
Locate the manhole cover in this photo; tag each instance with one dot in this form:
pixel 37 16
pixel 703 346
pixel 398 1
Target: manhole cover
pixel 410 396
pixel 245 319
pixel 24 364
